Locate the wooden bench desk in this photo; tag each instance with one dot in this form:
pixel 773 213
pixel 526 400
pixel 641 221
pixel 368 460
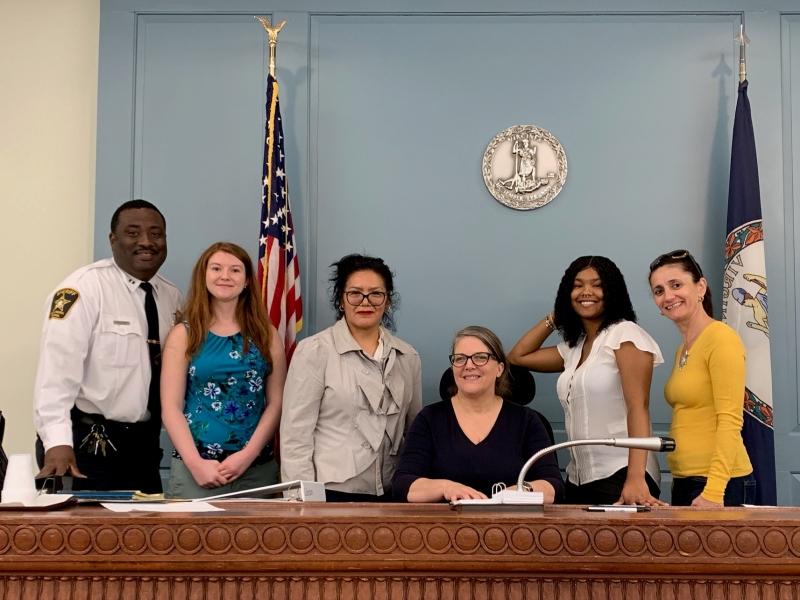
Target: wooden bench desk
pixel 399 551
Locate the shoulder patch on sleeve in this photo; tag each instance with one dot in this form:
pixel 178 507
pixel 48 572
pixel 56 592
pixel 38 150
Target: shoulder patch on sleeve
pixel 63 300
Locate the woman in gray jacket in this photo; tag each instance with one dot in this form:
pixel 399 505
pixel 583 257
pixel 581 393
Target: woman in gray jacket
pixel 352 390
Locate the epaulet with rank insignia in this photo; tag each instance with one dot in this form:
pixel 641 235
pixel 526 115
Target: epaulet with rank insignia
pixel 63 300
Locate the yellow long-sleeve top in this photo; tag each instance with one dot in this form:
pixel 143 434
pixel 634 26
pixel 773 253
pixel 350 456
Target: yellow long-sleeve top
pixel 707 400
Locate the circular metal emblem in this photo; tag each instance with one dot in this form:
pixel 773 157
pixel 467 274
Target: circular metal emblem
pixel 524 167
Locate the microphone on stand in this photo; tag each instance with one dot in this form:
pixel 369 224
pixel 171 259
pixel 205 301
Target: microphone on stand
pixel 522 498
pixel 654 444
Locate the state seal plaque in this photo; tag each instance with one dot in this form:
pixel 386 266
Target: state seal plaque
pixel 524 167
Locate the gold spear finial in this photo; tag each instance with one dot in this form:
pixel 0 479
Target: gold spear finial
pixel 272 32
pixel 743 41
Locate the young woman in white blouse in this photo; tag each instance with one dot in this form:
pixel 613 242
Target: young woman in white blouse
pixel 607 363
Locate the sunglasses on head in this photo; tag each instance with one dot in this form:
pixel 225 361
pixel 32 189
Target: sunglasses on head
pixel 674 256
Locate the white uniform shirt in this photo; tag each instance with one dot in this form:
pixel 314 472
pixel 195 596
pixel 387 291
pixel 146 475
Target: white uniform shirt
pixel 594 406
pixel 95 356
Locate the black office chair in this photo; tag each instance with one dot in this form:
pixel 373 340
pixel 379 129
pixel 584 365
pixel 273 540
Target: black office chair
pixel 523 390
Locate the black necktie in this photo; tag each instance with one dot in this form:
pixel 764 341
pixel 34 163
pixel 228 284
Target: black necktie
pixel 154 346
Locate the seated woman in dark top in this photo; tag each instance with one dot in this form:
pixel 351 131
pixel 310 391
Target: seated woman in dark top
pixel 459 448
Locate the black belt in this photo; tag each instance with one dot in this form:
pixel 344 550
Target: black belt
pixel 79 416
pixel 266 455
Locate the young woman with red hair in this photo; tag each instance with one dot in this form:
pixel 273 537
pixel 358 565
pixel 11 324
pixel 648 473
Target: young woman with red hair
pixel 222 380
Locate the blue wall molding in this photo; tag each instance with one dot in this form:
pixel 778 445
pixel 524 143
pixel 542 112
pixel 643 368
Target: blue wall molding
pixel 387 110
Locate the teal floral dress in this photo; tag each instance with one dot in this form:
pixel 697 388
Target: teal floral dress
pixel 225 395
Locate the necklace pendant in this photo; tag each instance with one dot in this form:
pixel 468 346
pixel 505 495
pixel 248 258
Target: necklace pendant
pixel 684 357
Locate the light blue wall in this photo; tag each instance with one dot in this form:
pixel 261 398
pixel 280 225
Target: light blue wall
pixel 388 108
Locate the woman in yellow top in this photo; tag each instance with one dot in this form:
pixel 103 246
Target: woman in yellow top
pixel 710 466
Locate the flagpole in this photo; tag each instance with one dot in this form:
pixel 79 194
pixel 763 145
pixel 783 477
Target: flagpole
pixel 744 300
pixel 272 33
pixel 278 264
pixel 743 41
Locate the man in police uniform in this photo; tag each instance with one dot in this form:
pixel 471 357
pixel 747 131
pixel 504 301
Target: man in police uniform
pixel 96 412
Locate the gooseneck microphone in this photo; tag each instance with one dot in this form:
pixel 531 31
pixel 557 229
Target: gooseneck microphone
pixel 654 444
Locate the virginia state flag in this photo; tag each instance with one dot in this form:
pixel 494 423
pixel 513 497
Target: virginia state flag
pixel 744 300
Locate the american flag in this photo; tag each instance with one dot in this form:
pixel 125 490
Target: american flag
pixel 278 267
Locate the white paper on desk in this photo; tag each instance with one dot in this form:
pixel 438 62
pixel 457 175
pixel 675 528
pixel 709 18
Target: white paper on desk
pixel 165 507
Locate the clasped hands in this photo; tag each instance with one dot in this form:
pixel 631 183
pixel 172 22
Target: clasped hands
pixel 209 473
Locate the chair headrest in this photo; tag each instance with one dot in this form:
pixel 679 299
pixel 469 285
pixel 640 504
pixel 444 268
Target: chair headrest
pixel 523 386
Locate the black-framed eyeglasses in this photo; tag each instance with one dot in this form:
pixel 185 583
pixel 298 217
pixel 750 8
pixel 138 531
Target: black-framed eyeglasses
pixel 356 298
pixel 478 359
pixel 673 256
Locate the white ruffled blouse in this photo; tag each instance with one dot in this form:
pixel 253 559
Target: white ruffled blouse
pixel 594 406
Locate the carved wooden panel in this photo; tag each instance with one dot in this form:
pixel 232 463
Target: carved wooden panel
pixel 380 587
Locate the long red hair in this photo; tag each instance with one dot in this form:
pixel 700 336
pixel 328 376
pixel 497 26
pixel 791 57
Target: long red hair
pixel 250 312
